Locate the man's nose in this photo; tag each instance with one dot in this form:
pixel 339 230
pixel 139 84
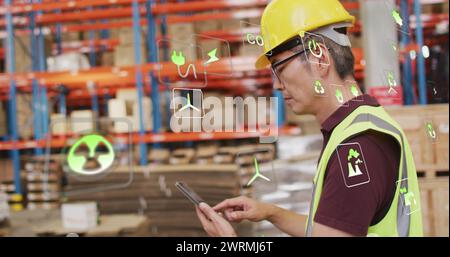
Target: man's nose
pixel 277 85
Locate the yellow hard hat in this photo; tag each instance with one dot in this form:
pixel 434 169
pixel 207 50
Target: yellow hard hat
pixel 284 19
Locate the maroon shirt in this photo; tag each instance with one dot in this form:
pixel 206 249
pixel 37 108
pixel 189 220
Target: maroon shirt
pixel 351 201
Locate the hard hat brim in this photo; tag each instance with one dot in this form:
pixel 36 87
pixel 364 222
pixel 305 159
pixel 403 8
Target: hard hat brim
pixel 262 62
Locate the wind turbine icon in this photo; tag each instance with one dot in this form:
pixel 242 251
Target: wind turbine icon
pixel 188 105
pixel 257 173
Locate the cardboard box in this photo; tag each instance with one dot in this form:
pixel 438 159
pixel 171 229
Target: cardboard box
pixel 181 39
pixel 201 26
pixel 441 123
pixel 22 58
pixel 117 109
pixel 68 62
pixel 182 156
pixel 126 35
pixel 126 106
pixel 107 59
pixel 6 171
pixel 60 124
pixel 3 124
pixel 147 114
pixel 25 121
pixel 4 208
pixel 230 24
pixel 79 216
pixel 159 156
pixel 124 55
pixel 82 121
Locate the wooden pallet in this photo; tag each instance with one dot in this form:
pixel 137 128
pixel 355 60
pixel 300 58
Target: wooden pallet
pixel 42 182
pixel 434 194
pixel 432 170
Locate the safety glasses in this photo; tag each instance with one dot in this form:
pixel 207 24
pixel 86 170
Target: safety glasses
pixel 278 67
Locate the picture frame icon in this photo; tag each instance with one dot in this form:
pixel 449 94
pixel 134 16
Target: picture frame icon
pixel 354 93
pixel 339 95
pixel 187 103
pixel 390 79
pixel 401 23
pixel 430 131
pixel 217 57
pixel 407 198
pixel 256 165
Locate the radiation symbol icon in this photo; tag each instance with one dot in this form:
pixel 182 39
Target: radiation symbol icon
pixel 90 155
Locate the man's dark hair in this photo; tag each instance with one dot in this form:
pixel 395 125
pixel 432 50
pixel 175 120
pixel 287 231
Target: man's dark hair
pixel 344 61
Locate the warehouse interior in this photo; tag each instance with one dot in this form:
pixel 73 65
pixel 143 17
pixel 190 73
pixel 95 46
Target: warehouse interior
pixel 78 76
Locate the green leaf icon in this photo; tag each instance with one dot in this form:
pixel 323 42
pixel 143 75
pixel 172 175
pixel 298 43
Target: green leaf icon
pixel 397 18
pixel 339 96
pixel 354 91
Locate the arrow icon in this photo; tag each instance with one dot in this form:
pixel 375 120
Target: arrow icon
pixel 392 89
pixel 257 173
pixel 212 56
pixel 397 18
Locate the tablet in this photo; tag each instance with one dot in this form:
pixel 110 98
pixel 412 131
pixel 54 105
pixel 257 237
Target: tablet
pixel 189 193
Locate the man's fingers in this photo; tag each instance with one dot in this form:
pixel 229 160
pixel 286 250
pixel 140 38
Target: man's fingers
pixel 232 216
pixel 227 213
pixel 208 211
pixel 214 222
pixel 238 215
pixel 229 203
pixel 209 228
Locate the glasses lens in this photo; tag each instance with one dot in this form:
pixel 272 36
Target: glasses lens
pixel 276 75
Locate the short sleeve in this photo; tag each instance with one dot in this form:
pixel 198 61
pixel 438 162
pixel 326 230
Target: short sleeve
pixel 359 183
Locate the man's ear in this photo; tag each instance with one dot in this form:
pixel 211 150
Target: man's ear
pixel 320 60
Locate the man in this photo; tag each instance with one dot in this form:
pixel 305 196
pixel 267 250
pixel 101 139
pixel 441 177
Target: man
pixel 366 182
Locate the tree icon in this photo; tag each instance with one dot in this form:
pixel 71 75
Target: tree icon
pixel 353 161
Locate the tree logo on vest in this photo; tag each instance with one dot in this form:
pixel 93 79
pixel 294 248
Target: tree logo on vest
pixel 353 165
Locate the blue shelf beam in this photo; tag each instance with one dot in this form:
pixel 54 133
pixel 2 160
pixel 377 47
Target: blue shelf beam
pixel 139 79
pixel 153 58
pixel 420 58
pixel 13 128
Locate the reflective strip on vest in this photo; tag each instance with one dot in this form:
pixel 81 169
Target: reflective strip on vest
pixel 403 220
